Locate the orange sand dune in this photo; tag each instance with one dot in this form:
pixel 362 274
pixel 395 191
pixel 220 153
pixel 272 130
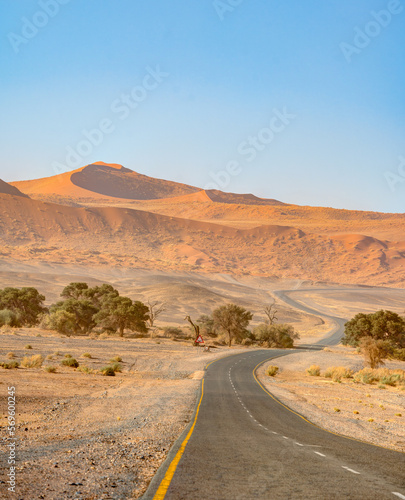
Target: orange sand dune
pixel 240 199
pixel 123 238
pixel 103 181
pixel 102 184
pixel 6 188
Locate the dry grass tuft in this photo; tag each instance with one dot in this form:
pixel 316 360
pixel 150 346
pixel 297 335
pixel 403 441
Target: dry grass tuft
pixel 10 365
pixel 314 371
pixel 71 362
pixel 34 361
pixel 85 369
pixel 272 371
pixel 116 359
pixel 336 373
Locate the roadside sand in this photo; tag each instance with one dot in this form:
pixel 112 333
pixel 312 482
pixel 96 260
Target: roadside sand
pixel 93 437
pixel 319 398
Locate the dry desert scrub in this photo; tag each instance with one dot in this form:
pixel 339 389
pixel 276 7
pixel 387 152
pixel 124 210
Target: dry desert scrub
pixel 116 359
pixel 272 371
pixel 34 361
pixel 108 371
pixel 393 378
pixel 313 371
pixel 71 362
pixel 10 365
pixel 85 369
pixel 385 376
pixel 336 373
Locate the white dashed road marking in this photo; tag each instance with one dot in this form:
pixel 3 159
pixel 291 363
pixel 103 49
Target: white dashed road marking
pixel 398 494
pixel 320 454
pixel 350 470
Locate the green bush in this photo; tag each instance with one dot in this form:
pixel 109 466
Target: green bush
pixel 9 318
pixel 62 321
pixel 50 369
pixel 71 362
pixel 87 355
pixel 28 346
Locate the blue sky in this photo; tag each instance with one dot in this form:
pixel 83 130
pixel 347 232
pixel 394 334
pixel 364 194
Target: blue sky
pixel 182 89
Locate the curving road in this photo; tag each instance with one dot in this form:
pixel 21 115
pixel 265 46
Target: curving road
pixel 334 336
pixel 244 444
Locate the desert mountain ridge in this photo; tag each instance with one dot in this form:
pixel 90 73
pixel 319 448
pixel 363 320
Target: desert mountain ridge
pixel 111 181
pixel 121 237
pixel 112 185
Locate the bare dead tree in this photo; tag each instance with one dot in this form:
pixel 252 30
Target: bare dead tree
pixel 195 327
pixel 155 310
pixel 271 312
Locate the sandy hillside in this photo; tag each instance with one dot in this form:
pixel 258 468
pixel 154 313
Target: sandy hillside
pixel 120 237
pixel 114 185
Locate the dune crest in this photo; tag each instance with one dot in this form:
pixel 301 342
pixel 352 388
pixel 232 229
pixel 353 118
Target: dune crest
pixel 6 188
pixel 104 181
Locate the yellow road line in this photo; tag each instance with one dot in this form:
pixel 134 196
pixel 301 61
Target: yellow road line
pixel 306 420
pixel 165 483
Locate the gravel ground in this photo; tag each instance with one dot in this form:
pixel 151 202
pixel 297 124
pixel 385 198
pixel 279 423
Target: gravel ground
pixel 85 436
pixel 362 411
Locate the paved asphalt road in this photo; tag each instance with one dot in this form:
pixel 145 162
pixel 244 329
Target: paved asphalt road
pixel 246 445
pixel 335 335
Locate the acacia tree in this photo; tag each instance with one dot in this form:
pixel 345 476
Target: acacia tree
pixel 233 321
pixel 381 325
pixel 76 290
pixel 120 313
pixel 26 303
pixel 281 335
pixel 206 324
pixel 83 310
